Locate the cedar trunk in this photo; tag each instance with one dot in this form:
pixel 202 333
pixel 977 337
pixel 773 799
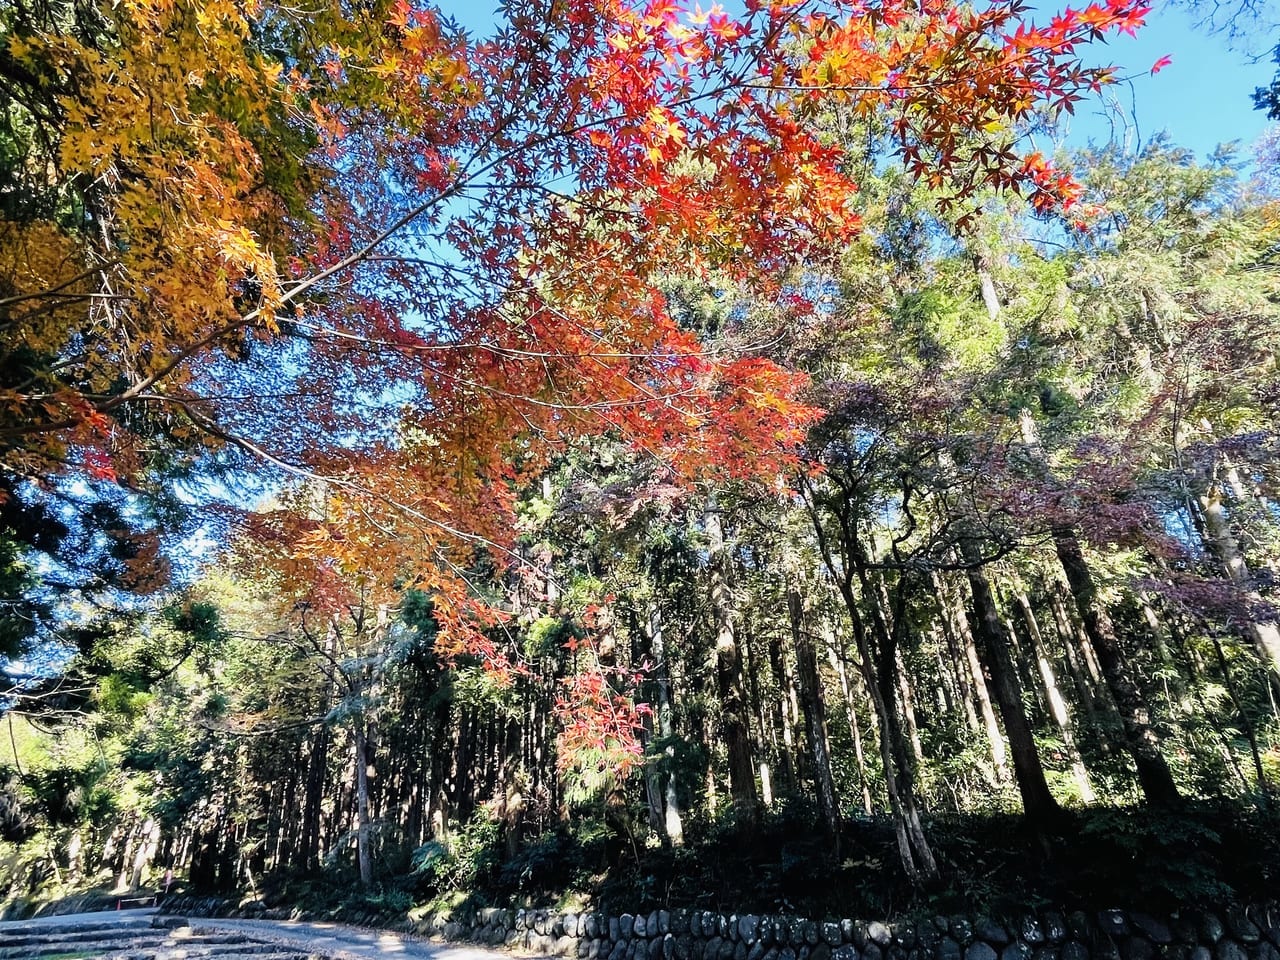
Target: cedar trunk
pixel 733 702
pixel 1141 739
pixel 1006 690
pixel 815 717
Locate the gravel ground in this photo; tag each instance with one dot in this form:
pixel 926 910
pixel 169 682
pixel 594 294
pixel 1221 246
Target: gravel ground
pixel 313 937
pixel 341 940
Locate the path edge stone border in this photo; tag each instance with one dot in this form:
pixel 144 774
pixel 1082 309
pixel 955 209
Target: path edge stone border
pixel 1233 932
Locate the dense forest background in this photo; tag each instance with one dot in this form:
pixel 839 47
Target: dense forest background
pixel 1003 630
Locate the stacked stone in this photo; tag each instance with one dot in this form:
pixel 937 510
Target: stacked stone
pixel 1237 933
pixel 196 906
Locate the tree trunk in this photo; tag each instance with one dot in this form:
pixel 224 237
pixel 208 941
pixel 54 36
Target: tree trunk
pixel 764 742
pixel 883 685
pixel 1141 739
pixel 877 671
pixel 1083 681
pixel 961 677
pixel 148 841
pixel 907 694
pixel 1027 678
pixel 1221 542
pixel 1057 705
pixel 944 695
pixel 512 799
pixel 990 298
pixel 791 710
pixel 954 614
pixel 733 706
pixel 778 715
pixel 364 855
pixel 672 821
pixel 815 715
pixel 1006 690
pixel 851 716
pixel 1175 686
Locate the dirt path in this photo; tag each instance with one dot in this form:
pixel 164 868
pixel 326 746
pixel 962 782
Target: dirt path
pixel 111 932
pixel 341 940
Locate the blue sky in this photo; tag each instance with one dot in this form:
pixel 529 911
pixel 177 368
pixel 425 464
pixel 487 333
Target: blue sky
pixel 1202 99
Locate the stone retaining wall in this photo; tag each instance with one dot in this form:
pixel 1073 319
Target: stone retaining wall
pixel 1236 933
pixel 1233 933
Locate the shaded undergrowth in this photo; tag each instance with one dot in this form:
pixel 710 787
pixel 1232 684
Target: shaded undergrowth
pixel 1135 858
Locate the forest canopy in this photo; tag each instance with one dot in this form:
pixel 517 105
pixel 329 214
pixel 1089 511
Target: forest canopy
pixel 452 459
